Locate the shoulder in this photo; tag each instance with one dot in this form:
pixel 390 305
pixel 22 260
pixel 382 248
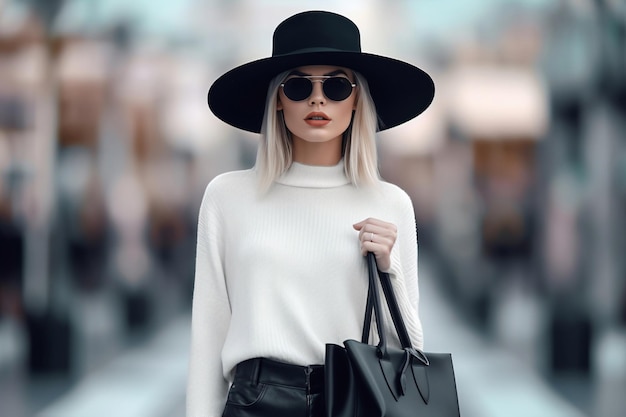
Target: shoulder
pixel 394 194
pixel 398 204
pixel 230 182
pixel 228 189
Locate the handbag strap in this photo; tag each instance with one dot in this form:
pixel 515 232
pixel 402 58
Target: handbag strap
pixel 373 301
pixel 369 307
pixel 394 309
pixel 373 304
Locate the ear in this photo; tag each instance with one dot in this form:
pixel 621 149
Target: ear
pixel 279 104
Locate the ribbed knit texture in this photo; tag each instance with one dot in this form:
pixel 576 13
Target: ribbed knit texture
pixel 280 275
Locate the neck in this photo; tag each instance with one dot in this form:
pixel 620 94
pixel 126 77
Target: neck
pixel 314 176
pixel 317 153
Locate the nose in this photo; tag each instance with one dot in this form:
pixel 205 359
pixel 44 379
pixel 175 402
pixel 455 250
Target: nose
pixel 317 95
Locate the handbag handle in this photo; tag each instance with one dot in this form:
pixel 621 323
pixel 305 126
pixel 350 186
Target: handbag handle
pixel 373 303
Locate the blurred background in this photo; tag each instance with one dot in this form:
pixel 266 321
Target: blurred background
pixel 517 173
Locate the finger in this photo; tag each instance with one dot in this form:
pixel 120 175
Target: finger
pixel 380 250
pixel 359 225
pixel 379 244
pixel 372 221
pixel 377 222
pixel 369 229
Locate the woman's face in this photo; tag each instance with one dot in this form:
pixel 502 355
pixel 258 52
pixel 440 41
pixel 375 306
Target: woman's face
pixel 317 119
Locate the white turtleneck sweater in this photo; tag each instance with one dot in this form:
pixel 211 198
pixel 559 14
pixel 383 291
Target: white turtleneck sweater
pixel 280 275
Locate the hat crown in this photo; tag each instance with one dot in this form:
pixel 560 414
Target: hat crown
pixel 314 32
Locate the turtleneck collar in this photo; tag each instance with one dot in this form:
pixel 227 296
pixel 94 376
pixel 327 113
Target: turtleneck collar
pixel 314 176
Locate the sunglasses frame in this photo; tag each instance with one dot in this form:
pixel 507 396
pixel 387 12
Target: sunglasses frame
pixel 320 79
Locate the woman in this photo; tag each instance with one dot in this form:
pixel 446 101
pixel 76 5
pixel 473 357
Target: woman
pixel 280 270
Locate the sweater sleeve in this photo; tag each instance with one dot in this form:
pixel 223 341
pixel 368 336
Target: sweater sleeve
pixel 206 385
pixel 403 271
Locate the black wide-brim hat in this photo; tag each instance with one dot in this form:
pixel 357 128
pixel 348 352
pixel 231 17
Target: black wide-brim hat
pixel 400 90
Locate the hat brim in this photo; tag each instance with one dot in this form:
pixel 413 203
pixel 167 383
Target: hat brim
pixel 400 90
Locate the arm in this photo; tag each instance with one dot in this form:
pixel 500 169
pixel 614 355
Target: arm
pixel 206 386
pixel 404 273
pixel 395 248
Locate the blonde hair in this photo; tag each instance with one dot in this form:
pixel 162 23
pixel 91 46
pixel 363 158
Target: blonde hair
pixel 274 155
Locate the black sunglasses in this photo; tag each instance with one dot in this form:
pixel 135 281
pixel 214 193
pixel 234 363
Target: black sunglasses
pixel 334 88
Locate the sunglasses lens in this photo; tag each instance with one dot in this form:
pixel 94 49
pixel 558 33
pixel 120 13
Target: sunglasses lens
pixel 337 88
pixel 297 89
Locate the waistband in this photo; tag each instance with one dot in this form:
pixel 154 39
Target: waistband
pixel 268 371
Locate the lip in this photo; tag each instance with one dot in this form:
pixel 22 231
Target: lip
pixel 317 119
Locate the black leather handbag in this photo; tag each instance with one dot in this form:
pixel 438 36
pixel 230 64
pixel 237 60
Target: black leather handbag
pixel 364 380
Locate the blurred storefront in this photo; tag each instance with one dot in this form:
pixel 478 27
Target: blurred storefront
pixel 524 203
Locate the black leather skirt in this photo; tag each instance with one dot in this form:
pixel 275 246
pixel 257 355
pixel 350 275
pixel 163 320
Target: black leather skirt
pixel 267 388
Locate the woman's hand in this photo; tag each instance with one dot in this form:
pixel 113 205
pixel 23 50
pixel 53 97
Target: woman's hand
pixel 378 237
